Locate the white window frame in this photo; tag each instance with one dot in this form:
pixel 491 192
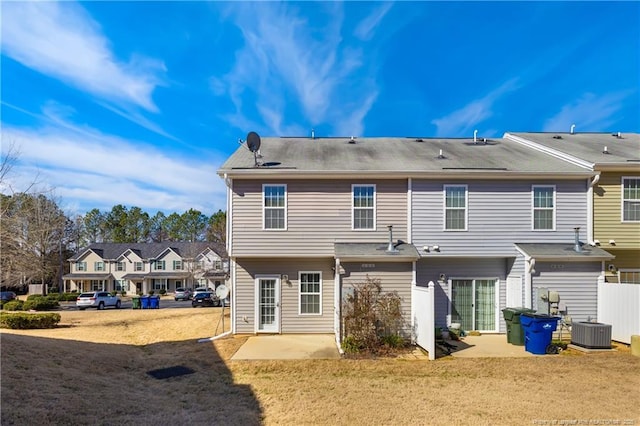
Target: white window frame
pixel 159 284
pixel 157 263
pixel 624 270
pixel 300 293
pixel 622 199
pixel 122 285
pixel 138 264
pixel 374 208
pixel 178 265
pixel 81 266
pixel 121 266
pixel 264 207
pixel 98 266
pixel 444 207
pixel 534 208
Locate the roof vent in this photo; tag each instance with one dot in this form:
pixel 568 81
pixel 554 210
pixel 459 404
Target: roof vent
pixel 441 155
pixel 391 248
pixel 419 140
pixel 352 140
pixel 475 136
pixel 605 150
pixel 577 247
pixel 573 127
pixel 617 135
pixel 557 137
pixel 313 134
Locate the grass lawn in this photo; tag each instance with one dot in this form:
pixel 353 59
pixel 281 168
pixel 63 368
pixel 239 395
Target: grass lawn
pixel 93 370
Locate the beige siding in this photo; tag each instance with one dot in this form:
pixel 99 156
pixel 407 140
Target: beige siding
pixel 290 319
pixel 624 259
pixel 607 221
pixel 318 215
pixel 393 277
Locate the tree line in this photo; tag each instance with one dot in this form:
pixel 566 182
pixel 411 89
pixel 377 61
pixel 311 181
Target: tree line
pixel 36 236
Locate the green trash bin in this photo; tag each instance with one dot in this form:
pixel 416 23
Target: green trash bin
pixel 136 302
pixel 515 335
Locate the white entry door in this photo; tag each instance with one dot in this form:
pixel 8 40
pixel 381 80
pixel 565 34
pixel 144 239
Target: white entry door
pixel 268 304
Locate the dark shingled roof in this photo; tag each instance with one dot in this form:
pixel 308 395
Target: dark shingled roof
pixel 111 251
pixel 405 156
pixel 558 251
pixel 376 252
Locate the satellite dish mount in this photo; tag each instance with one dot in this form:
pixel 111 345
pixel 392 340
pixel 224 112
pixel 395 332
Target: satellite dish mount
pixel 253 143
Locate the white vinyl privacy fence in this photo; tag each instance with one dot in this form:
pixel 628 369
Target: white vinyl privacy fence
pixel 423 317
pixel 619 306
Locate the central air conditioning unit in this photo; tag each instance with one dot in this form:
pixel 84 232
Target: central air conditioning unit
pixel 591 335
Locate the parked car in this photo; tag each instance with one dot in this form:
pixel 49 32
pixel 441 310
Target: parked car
pixel 182 294
pixel 201 290
pixel 7 296
pixel 97 299
pixel 205 299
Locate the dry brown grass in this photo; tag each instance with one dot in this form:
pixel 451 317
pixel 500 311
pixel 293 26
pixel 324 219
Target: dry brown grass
pixel 93 371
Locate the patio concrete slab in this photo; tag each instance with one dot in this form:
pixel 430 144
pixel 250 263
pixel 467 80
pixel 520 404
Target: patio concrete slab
pixel 289 346
pixel 487 346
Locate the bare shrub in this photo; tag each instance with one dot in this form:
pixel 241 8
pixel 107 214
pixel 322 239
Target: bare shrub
pixel 372 319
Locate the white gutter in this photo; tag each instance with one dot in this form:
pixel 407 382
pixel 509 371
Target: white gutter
pixel 413 307
pixel 336 306
pixel 590 225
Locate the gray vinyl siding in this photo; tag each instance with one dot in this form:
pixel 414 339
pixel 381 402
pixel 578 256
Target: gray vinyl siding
pixel 318 215
pixel 476 268
pixel 393 277
pixel 577 283
pixel 290 320
pixel 499 214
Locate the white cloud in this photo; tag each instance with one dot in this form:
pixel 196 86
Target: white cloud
pixel 462 121
pixel 286 57
pixel 589 113
pixel 61 40
pixel 366 28
pixel 93 170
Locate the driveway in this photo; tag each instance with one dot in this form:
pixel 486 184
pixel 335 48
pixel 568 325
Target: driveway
pixel 289 346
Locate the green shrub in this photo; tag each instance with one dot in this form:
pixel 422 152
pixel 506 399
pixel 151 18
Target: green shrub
pixel 68 297
pixel 393 341
pixel 123 293
pixel 24 320
pixel 113 293
pixel 34 296
pixel 53 296
pixel 350 346
pixel 151 293
pixel 14 305
pixel 163 291
pixel 40 304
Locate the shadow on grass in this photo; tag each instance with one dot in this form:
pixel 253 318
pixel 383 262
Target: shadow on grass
pixel 54 381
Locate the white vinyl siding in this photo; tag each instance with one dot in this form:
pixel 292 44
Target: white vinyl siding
pixel 455 207
pixel 544 207
pixel 631 199
pixel 310 293
pixel 274 206
pixel 364 207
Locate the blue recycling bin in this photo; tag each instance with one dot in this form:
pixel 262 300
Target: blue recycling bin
pixel 538 331
pixel 144 302
pixel 154 302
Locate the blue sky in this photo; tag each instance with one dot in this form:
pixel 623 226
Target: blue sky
pixel 139 103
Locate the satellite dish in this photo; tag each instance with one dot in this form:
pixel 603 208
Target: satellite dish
pixel 253 141
pixel 222 291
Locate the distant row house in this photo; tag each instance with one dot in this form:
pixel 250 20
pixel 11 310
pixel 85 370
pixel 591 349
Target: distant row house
pixel 489 221
pixel 143 267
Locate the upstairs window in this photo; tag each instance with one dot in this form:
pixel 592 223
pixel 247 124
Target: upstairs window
pixel 274 206
pixel 455 207
pixel 544 208
pixel 138 266
pixel 177 265
pixel 81 266
pixel 121 266
pixel 631 199
pixel 364 207
pixel 629 276
pixel 159 265
pixel 98 266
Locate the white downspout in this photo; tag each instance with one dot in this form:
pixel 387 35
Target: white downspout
pixel 590 224
pixel 528 298
pixel 336 305
pixel 414 282
pixel 409 210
